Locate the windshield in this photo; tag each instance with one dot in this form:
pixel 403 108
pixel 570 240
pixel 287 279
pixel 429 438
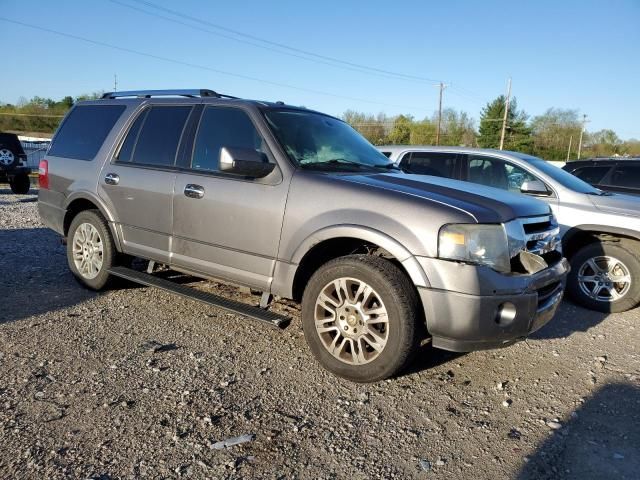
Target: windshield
pixel 561 176
pixel 316 141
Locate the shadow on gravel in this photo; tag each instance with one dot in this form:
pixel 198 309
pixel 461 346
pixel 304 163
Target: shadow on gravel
pixel 570 318
pixel 34 277
pixel 601 441
pixel 429 357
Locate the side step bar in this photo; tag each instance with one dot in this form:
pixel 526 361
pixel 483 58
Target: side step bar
pixel 271 318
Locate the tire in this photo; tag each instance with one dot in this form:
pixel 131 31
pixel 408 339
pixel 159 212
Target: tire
pixel 20 184
pixel 8 158
pixel 391 291
pixel 590 281
pixel 91 225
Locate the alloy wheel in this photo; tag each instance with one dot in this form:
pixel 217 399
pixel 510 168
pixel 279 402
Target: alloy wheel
pixel 351 321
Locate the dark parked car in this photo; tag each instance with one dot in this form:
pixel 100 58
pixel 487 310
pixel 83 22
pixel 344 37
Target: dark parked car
pixel 13 160
pixel 620 175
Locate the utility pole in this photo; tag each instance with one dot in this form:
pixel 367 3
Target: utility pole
pixel 442 87
pixel 115 82
pixel 569 151
pixel 506 113
pixel 584 123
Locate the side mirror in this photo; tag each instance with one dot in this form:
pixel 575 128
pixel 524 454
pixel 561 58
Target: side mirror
pixel 245 162
pixel 534 187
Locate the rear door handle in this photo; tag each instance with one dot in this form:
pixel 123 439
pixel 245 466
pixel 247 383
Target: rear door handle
pixel 111 179
pixel 194 191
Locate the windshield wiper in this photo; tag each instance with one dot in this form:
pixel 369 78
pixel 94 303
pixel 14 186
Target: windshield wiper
pixel 336 161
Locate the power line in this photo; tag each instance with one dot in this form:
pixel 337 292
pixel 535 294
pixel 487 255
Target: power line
pixel 198 66
pixel 265 47
pixel 281 46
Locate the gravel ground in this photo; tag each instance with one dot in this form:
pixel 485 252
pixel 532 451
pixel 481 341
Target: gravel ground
pixel 134 382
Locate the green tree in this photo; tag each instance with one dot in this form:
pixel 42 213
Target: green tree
pixel 553 131
pixel 518 133
pixel 400 133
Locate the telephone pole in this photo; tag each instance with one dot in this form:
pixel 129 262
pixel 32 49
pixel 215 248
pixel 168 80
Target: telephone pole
pixel 506 113
pixel 442 87
pixel 569 151
pixel 584 123
pixel 115 82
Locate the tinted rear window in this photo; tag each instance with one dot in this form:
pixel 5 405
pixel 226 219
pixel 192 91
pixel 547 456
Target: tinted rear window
pixel 439 164
pixel 157 142
pixel 84 130
pixel 626 176
pixel 592 174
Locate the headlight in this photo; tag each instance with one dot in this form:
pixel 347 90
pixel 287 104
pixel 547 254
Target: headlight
pixel 476 243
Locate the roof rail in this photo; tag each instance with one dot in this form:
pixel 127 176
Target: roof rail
pixel 166 93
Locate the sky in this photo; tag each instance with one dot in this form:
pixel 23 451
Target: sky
pixel 580 55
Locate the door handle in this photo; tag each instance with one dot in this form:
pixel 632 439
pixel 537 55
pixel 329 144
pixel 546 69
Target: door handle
pixel 194 191
pixel 111 178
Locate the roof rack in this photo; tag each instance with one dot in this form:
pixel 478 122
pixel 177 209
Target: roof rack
pixel 166 93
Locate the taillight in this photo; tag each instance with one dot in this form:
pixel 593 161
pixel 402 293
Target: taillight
pixel 43 174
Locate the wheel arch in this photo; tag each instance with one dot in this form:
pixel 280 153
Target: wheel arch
pixel 581 235
pixel 81 201
pixel 333 242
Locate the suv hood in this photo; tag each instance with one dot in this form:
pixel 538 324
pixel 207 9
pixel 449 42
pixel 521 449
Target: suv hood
pixel 616 203
pixel 486 204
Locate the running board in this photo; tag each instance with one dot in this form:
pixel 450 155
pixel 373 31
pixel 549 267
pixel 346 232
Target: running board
pixel 255 313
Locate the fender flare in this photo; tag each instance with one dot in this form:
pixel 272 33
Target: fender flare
pixel 93 198
pixel 367 234
pixel 586 228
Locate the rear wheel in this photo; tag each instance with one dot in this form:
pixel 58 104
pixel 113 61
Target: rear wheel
pixel 90 249
pixel 605 277
pixel 359 315
pixel 20 184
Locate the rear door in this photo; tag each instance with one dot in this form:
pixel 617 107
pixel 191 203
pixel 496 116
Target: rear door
pixel 231 230
pixel 138 183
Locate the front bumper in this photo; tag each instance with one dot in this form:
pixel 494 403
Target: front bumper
pixel 463 304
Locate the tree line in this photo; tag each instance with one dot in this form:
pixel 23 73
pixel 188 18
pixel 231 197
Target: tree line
pixel 552 135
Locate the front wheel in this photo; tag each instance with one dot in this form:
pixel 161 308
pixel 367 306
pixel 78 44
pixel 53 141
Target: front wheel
pixel 20 184
pixel 605 277
pixel 90 249
pixel 360 318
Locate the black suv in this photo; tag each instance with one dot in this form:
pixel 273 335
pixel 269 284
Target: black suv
pixel 13 160
pixel 620 175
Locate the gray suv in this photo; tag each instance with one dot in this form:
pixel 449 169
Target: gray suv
pixel 600 230
pixel 297 204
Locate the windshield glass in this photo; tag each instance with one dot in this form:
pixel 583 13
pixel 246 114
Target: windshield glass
pixel 317 141
pixel 561 176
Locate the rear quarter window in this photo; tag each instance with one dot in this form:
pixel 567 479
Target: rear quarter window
pixel 84 130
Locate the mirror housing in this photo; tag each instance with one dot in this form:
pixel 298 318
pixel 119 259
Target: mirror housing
pixel 245 162
pixel 534 187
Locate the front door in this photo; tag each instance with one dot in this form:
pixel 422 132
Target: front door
pixel 225 226
pixel 138 184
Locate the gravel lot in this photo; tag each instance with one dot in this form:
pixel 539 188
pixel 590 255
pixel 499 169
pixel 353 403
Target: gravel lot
pixel 134 382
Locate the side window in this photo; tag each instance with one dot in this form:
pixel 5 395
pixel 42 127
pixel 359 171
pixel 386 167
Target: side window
pixel 439 164
pixel 497 173
pixel 591 175
pixel 84 131
pixel 387 154
pixel 126 151
pixel 224 127
pixel 626 176
pixel 154 137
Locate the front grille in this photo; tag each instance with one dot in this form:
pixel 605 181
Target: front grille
pixel 542 234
